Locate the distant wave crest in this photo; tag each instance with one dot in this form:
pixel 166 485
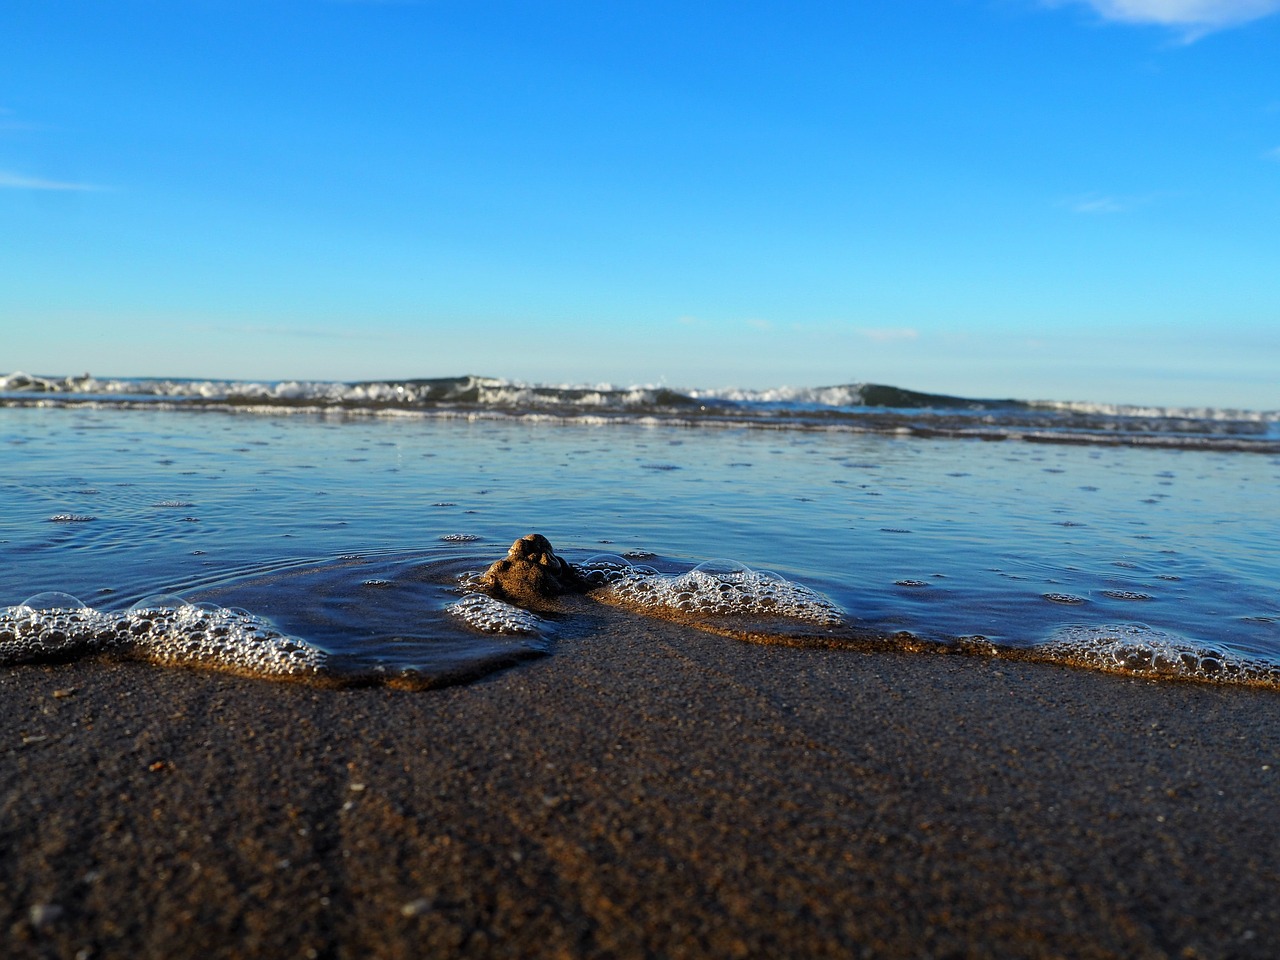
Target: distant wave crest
pixel 860 407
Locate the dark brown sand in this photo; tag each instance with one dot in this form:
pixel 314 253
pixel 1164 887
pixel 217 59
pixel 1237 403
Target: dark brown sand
pixel 648 790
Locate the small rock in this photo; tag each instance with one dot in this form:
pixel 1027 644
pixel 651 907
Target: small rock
pixel 531 574
pixel 416 908
pixel 43 914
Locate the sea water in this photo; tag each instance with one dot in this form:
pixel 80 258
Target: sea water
pixel 334 532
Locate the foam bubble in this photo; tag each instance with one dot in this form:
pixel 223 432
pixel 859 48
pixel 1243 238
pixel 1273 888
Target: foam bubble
pixel 1135 648
pixel 54 600
pixel 483 612
pixel 159 601
pixel 713 588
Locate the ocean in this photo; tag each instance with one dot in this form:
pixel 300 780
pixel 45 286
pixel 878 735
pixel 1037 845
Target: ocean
pixel 335 532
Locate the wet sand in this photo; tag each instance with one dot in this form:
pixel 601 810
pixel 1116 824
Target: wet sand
pixel 648 790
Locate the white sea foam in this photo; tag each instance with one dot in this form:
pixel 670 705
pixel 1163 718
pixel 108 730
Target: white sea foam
pixel 163 629
pixel 1135 648
pixel 713 588
pixel 220 638
pixel 482 612
pixel 1153 412
pixel 846 395
pixel 485 391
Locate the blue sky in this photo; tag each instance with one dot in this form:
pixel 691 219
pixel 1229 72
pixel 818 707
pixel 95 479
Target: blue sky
pixel 1059 200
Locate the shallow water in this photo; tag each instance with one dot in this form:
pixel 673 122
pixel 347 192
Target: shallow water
pixel 354 533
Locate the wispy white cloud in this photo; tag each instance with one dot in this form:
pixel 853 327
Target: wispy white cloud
pixel 890 334
pixel 1273 154
pixel 1097 203
pixel 1194 17
pixel 17 181
pixel 9 122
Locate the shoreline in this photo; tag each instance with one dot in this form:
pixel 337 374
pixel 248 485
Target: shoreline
pixel 646 790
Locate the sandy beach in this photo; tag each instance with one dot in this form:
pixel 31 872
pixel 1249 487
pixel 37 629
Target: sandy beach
pixel 647 790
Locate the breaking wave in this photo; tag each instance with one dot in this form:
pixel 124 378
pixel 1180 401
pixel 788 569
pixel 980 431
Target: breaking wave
pixel 860 407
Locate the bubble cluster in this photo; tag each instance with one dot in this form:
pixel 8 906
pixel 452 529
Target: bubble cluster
pixel 43 630
pixel 713 588
pixel 1138 649
pixel 163 629
pixel 235 640
pixel 606 568
pixel 482 612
